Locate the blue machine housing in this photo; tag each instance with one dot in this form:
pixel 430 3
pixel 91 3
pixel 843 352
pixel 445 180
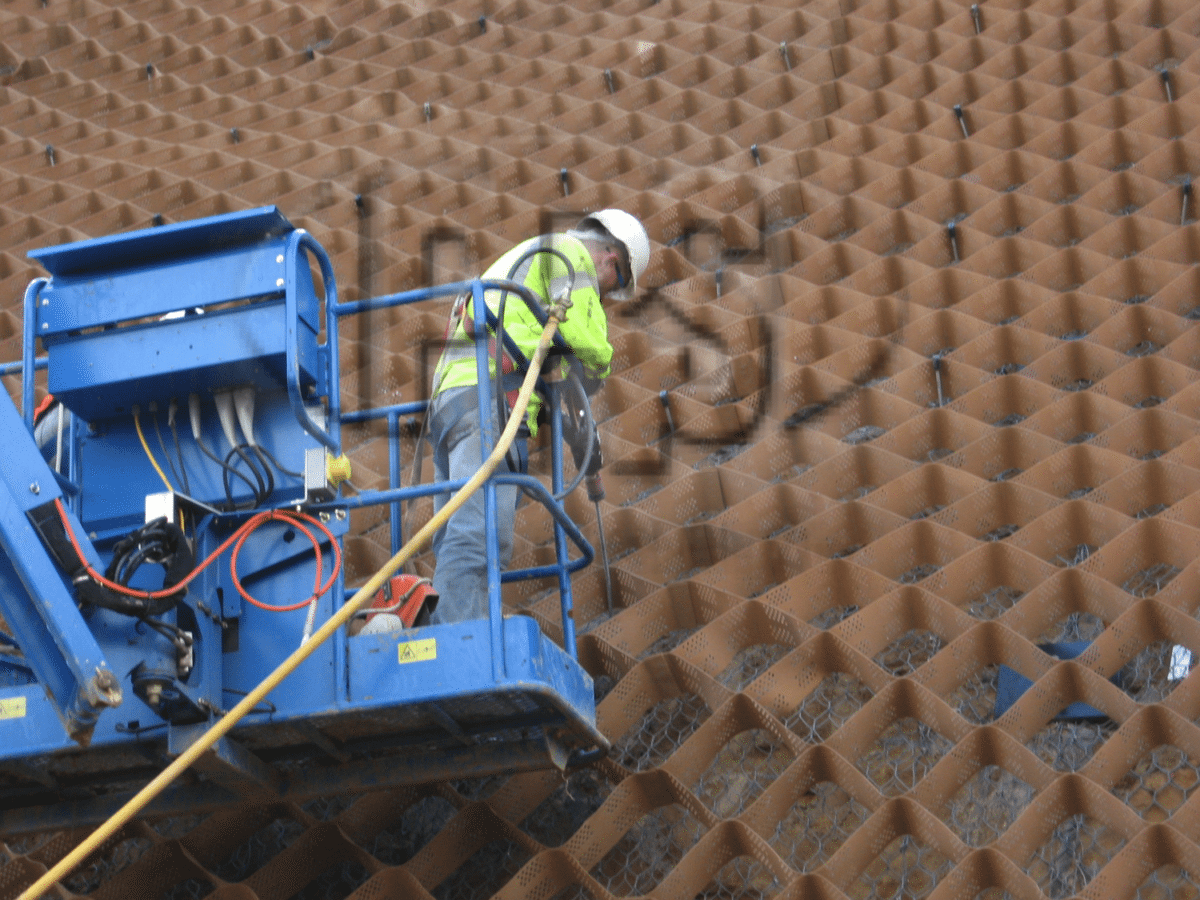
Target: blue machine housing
pixel 162 322
pixel 100 316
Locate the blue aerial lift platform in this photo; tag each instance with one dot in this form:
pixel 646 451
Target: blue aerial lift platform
pixel 196 365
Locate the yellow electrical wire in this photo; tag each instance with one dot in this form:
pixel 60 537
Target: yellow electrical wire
pixel 137 424
pixel 359 601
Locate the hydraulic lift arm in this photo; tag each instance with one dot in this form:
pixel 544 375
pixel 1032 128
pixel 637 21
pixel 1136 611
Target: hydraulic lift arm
pixel 36 601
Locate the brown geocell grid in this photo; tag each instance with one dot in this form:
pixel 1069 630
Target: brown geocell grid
pixel 923 308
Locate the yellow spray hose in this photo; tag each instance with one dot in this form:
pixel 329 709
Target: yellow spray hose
pixel 363 596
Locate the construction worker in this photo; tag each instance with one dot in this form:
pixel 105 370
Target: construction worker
pixel 607 252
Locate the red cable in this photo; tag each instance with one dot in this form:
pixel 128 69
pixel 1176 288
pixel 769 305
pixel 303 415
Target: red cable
pixel 293 519
pixel 237 537
pixel 131 592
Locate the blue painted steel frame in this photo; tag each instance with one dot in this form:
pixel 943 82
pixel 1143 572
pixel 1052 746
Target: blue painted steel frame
pixel 564 529
pixel 34 597
pixel 296 702
pixel 236 247
pixel 332 439
pixel 29 341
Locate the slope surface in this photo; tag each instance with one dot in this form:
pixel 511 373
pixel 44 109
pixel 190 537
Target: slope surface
pixel 914 391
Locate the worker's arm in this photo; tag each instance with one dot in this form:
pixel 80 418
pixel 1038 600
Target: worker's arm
pixel 586 327
pixel 588 338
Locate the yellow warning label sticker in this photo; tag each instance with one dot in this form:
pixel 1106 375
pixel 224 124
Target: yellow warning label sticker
pixel 417 651
pixel 12 707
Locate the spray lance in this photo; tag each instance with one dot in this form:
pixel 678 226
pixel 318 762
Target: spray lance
pixel 595 492
pixel 581 435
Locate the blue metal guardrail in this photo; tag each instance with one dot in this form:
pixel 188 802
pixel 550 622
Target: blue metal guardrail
pixel 260 262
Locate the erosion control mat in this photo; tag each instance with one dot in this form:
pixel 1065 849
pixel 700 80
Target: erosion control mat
pixel 901 443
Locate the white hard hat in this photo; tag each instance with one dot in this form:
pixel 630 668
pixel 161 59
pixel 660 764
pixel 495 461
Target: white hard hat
pixel 629 231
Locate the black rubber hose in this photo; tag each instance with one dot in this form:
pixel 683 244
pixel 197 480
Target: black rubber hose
pixel 501 403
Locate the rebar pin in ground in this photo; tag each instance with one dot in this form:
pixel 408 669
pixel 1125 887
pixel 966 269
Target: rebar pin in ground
pixel 1187 195
pixel 937 375
pixel 952 231
pixel 976 18
pixel 666 405
pixel 604 556
pixel 608 80
pixel 787 57
pixel 962 120
pixel 755 155
pixel 1166 80
pixel 565 177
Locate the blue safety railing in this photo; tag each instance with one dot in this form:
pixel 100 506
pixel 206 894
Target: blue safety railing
pixel 565 530
pixel 529 705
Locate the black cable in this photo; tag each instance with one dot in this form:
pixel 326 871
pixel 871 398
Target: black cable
pixel 227 470
pixel 589 429
pixel 269 706
pixel 263 458
pixel 263 451
pixel 179 638
pixel 129 563
pixel 159 542
pixel 501 401
pixel 167 630
pixel 260 454
pixel 163 446
pixel 256 487
pixel 262 491
pixel 240 452
pixel 187 488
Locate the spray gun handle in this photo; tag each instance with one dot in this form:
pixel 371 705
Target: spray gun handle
pixel 595 488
